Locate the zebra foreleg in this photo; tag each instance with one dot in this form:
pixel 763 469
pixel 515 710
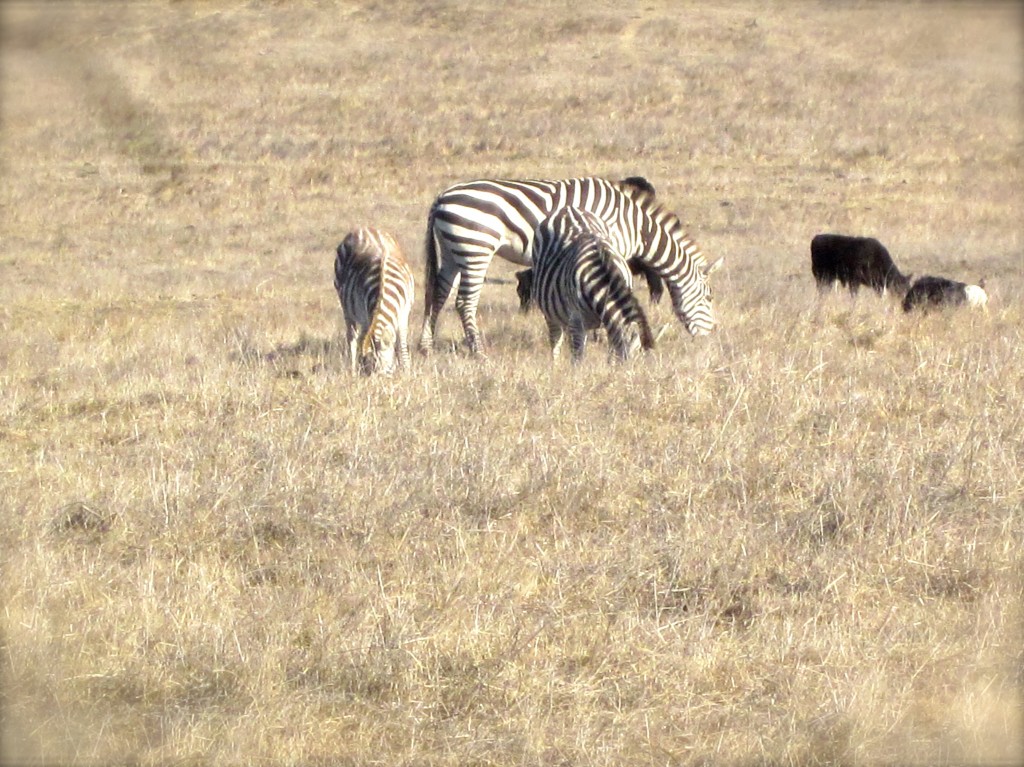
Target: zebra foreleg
pixel 354 340
pixel 402 345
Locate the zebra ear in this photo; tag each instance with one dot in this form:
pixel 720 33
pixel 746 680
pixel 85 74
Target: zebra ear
pixel 714 266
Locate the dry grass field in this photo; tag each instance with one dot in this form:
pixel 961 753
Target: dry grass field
pixel 797 541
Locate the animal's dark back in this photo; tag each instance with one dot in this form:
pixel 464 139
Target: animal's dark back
pixel 855 261
pixel 931 291
pixel 830 248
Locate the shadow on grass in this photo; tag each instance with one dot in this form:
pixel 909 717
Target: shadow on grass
pixel 307 355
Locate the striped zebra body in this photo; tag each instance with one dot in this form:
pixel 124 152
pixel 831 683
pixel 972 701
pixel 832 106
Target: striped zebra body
pixel 581 283
pixel 376 289
pixel 655 287
pixel 470 223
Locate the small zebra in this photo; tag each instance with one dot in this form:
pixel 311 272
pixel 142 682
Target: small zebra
pixel 470 223
pixel 376 289
pixel 655 286
pixel 580 283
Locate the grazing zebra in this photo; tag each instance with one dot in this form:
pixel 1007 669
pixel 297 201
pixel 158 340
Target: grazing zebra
pixel 656 288
pixel 472 222
pixel 376 290
pixel 581 283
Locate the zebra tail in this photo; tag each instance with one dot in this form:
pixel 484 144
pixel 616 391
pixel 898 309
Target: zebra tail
pixel 430 275
pixel 376 315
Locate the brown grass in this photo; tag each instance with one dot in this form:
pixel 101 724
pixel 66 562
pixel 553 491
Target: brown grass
pixel 795 542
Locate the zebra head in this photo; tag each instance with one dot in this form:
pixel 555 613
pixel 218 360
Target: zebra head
pixel 693 303
pixel 377 354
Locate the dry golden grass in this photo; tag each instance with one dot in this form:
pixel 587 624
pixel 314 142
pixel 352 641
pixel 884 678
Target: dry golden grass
pixel 795 542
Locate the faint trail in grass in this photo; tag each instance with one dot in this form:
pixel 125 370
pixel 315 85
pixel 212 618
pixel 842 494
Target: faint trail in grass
pixel 136 128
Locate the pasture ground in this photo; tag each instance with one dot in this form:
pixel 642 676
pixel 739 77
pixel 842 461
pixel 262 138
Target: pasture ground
pixel 795 542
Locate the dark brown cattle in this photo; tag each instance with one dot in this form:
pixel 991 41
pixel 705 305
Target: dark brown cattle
pixel 855 261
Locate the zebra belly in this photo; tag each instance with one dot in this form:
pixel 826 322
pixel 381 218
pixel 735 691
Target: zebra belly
pixel 514 254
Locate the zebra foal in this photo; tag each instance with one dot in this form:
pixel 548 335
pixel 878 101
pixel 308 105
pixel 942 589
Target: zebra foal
pixel 376 289
pixel 580 282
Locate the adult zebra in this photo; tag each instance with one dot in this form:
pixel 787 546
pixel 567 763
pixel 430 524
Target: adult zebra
pixel 472 222
pixel 376 289
pixel 581 283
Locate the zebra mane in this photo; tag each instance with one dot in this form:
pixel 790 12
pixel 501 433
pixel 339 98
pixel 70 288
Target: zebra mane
pixel 669 221
pixel 635 185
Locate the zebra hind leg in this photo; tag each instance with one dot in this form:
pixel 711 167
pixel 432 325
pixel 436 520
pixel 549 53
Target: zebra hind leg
pixel 466 304
pixel 554 336
pixel 623 342
pixel 353 341
pixel 578 337
pixel 439 293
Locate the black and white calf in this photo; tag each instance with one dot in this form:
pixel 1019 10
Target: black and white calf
pixel 376 289
pixel 581 282
pixel 855 261
pixel 933 292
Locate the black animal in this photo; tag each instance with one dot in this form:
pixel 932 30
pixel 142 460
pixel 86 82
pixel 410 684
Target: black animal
pixel 855 261
pixel 933 292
